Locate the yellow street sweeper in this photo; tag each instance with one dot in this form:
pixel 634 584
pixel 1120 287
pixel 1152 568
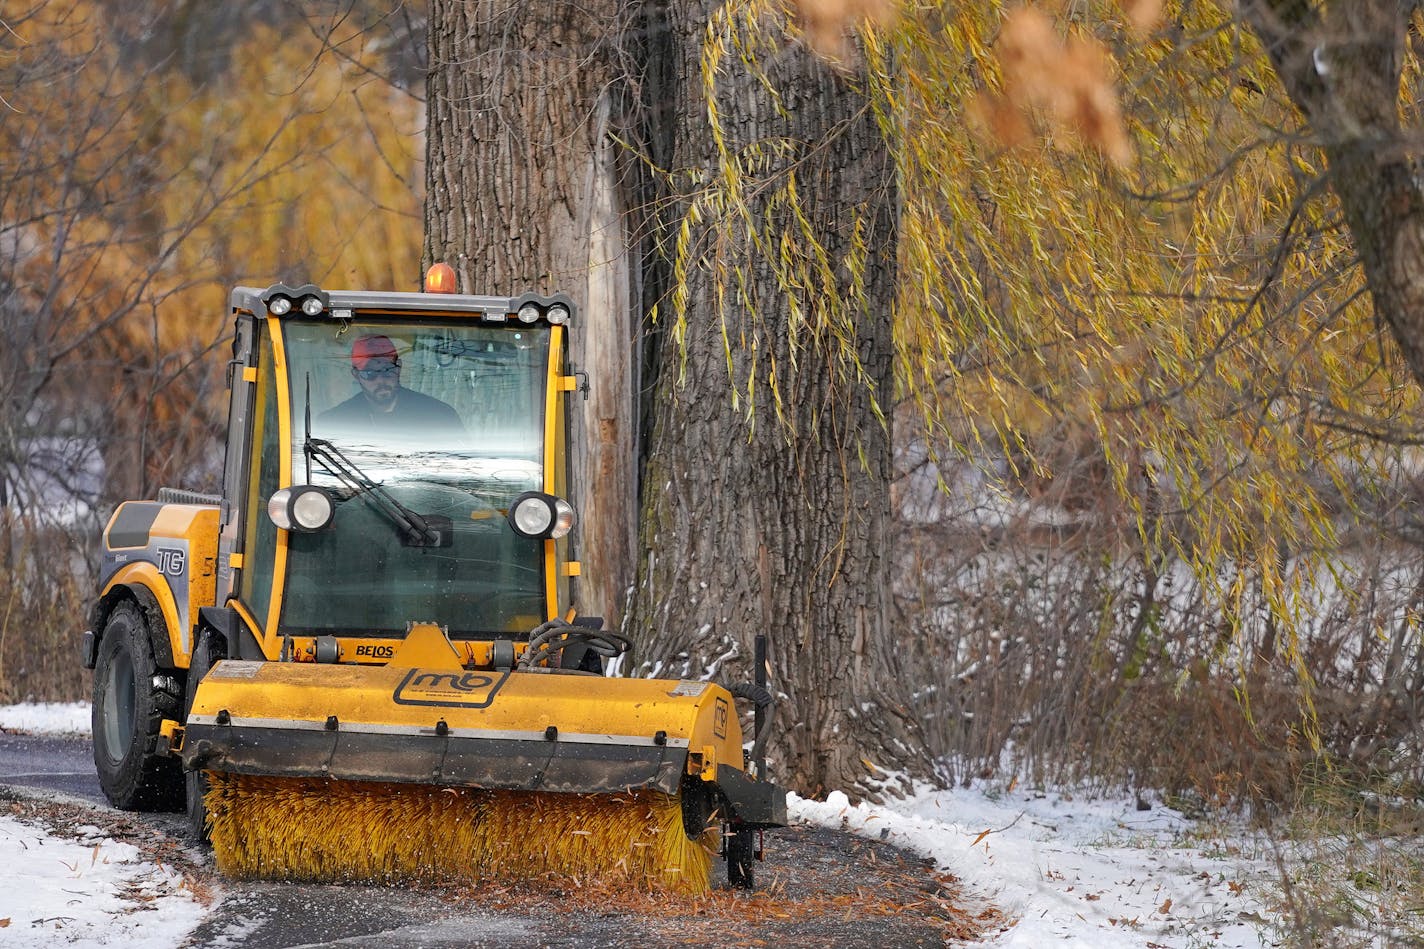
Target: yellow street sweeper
pixel 362 660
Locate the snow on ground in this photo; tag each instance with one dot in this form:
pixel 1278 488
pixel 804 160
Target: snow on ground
pixel 1065 870
pixel 1076 871
pixel 87 889
pixel 46 718
pixel 91 891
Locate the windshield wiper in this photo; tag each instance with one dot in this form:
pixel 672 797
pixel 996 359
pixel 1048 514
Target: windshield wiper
pixel 417 530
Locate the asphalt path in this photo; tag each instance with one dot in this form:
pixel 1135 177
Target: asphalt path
pixel 47 763
pixel 811 891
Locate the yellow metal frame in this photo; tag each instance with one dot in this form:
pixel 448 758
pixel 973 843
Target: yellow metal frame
pixel 284 476
pixel 553 474
pixel 356 647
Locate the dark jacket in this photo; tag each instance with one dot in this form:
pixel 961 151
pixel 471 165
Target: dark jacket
pixel 414 416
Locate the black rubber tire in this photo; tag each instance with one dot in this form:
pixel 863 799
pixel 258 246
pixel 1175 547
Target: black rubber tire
pixel 128 709
pixel 741 857
pixel 195 784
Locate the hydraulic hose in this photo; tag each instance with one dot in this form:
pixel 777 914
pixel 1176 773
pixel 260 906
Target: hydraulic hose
pixel 549 638
pixel 765 702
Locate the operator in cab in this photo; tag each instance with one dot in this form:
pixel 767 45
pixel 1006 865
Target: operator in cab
pixel 383 404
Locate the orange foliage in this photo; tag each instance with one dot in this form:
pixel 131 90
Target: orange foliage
pixel 1068 80
pixel 1143 15
pixel 826 22
pixel 132 200
pixel 315 167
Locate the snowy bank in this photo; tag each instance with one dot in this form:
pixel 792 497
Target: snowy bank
pixel 1075 871
pixel 77 886
pixel 88 891
pixel 46 718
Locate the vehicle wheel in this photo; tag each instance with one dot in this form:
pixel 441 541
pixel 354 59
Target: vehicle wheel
pixel 195 782
pixel 741 854
pixel 131 700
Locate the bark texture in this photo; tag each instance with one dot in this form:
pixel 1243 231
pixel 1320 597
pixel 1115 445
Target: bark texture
pixel 750 522
pixel 523 194
pixel 755 526
pixel 1341 64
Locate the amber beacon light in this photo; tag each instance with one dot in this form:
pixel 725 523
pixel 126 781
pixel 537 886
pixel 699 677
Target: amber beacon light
pixel 440 278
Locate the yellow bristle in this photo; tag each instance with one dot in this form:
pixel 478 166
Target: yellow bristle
pixel 346 831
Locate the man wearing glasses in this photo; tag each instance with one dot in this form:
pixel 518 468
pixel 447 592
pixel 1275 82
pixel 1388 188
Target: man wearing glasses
pixel 383 403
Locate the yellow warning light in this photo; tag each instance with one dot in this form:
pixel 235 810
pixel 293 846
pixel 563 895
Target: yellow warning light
pixel 440 278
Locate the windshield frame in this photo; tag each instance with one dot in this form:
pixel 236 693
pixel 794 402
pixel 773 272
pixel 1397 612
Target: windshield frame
pixel 546 438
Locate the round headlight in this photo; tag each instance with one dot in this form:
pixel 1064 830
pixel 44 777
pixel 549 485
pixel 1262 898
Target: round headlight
pixel 278 508
pixel 531 515
pixel 563 518
pixel 303 507
pixel 528 313
pixel 279 306
pixel 558 314
pixel 536 514
pixel 311 306
pixel 311 508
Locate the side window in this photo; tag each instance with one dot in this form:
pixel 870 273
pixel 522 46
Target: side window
pixel 261 540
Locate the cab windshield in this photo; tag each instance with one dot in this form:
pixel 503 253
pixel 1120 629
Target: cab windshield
pixel 445 421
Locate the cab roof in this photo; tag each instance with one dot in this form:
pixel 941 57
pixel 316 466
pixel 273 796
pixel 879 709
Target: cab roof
pixel 490 308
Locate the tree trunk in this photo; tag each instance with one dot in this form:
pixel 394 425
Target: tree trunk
pixel 522 194
pixel 1341 65
pixel 754 524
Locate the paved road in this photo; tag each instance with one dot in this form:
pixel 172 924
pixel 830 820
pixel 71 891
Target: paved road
pixel 818 888
pixel 50 764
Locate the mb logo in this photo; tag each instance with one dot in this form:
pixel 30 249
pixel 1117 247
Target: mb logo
pixel 172 560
